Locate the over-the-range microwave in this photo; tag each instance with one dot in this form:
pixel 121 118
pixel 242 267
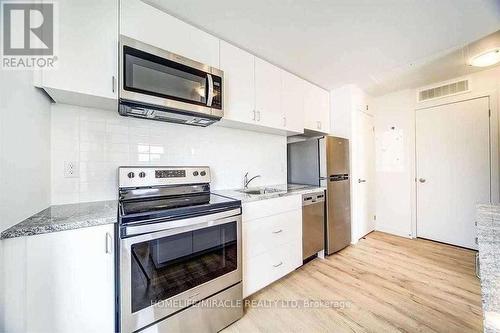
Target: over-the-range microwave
pixel 161 85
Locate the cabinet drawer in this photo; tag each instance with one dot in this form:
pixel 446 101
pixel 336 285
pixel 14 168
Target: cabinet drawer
pixel 262 270
pixel 262 208
pixel 266 233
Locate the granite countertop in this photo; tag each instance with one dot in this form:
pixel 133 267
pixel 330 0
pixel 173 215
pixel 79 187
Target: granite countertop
pixel 81 215
pixel 65 217
pixel 272 191
pixel 488 232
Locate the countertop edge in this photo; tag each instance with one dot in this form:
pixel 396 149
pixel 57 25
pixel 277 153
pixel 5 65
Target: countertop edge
pixel 64 217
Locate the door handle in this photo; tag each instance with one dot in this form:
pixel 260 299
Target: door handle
pixel 277 265
pixel 277 231
pixel 210 90
pixel 361 180
pixel 109 243
pixel 422 180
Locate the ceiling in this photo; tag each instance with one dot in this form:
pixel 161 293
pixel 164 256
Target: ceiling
pixel 370 43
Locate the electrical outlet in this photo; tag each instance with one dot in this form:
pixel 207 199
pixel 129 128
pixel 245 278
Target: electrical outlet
pixel 71 169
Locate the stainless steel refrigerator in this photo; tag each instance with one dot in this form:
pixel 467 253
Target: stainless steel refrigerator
pixel 325 162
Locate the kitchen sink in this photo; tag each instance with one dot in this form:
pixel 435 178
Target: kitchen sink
pixel 265 190
pixel 252 191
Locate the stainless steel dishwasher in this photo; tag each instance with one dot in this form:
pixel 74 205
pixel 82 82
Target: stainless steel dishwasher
pixel 313 224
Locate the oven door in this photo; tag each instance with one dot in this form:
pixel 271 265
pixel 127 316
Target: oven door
pixel 157 77
pixel 165 271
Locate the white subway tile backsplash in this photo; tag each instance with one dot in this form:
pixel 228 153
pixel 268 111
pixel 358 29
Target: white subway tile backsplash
pixel 101 141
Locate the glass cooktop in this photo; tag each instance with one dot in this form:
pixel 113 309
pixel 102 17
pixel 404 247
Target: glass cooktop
pixel 174 207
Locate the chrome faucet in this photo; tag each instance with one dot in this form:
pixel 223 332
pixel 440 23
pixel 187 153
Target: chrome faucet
pixel 247 181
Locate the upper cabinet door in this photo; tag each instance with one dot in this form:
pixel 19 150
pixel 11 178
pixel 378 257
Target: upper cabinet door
pixel 316 108
pixel 87 56
pixel 267 94
pixel 239 83
pixel 292 102
pixel 149 25
pixel 324 110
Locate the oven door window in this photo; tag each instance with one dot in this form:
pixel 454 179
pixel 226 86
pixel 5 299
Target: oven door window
pixel 165 267
pixel 148 74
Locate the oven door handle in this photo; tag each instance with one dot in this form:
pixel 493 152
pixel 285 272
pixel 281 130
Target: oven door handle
pixel 210 89
pixel 178 226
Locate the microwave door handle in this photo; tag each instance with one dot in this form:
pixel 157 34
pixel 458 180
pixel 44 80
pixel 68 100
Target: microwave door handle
pixel 210 90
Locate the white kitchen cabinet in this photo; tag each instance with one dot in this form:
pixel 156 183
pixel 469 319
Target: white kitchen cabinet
pixel 87 56
pixel 316 109
pixel 267 94
pixel 259 96
pixel 292 102
pixel 272 241
pixel 65 284
pixel 152 26
pixel 239 83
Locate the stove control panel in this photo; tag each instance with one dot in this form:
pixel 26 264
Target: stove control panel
pixel 159 175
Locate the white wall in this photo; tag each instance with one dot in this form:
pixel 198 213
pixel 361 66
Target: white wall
pixel 24 148
pixel 100 141
pixel 24 153
pixel 395 190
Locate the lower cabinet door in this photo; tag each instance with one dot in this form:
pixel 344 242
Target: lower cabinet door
pixel 264 269
pixel 268 233
pixel 70 283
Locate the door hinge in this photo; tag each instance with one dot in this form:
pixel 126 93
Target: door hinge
pixel 366 107
pixel 477 243
pixel 489 113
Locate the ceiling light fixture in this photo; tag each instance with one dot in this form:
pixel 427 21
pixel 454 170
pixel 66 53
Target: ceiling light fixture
pixel 486 59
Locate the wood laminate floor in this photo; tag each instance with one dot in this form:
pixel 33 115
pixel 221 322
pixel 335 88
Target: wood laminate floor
pixel 388 284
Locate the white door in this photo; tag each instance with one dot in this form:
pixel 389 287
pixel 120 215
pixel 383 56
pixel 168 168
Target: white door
pixel 267 94
pixel 365 182
pixel 316 108
pixel 292 102
pixel 88 53
pixel 453 170
pixel 239 83
pixel 70 281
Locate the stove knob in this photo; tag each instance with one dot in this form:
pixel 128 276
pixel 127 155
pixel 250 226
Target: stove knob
pixel 130 175
pixel 203 173
pixel 195 173
pixel 142 174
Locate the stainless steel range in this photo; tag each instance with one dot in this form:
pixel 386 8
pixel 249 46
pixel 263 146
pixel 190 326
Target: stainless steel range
pixel 179 262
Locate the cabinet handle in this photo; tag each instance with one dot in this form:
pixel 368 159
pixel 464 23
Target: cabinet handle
pixel 258 115
pixel 476 265
pixel 113 83
pixel 277 231
pixel 109 243
pixel 319 124
pixel 284 121
pixel 277 265
pixel 361 180
pixel 254 115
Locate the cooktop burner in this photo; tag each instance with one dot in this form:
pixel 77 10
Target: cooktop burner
pixel 160 194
